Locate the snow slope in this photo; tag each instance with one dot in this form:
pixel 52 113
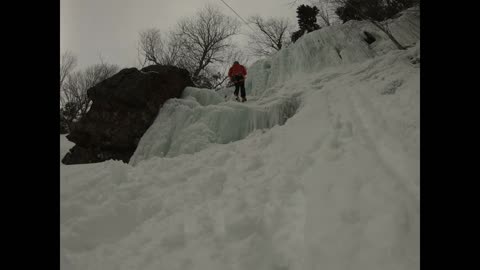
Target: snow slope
pixel 319 170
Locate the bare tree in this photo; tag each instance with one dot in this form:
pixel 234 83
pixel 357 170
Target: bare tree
pixel 68 61
pixel 326 11
pixel 151 46
pixel 157 48
pixel 201 44
pixel 204 38
pixel 172 50
pixel 271 35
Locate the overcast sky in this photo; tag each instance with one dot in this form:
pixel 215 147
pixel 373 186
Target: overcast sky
pixel 90 28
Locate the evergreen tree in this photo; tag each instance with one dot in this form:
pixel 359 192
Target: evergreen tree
pixel 307 18
pixel 307 21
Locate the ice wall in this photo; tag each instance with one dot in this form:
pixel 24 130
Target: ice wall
pixel 329 47
pixel 201 118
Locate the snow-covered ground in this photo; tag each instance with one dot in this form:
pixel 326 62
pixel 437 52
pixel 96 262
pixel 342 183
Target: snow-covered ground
pixel 318 170
pixel 65 145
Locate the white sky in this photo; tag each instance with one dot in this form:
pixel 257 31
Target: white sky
pixel 90 28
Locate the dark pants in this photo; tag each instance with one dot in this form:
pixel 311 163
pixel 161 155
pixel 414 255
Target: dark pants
pixel 239 85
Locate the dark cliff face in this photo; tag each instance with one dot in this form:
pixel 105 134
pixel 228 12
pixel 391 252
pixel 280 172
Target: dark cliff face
pixel 124 106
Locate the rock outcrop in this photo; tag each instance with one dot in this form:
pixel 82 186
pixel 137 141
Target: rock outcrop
pixel 123 108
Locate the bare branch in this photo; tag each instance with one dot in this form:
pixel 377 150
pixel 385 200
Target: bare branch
pixel 271 35
pixel 196 43
pixel 293 3
pixel 326 12
pixel 151 45
pixel 68 61
pixel 205 37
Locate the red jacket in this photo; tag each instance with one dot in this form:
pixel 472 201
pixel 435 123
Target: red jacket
pixel 237 69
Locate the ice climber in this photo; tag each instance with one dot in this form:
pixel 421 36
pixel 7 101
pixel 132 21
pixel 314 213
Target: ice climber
pixel 238 74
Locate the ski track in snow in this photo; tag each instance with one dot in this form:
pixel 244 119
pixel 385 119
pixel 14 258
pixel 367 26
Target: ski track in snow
pixel 336 186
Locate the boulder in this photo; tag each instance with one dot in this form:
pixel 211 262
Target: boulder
pixel 123 108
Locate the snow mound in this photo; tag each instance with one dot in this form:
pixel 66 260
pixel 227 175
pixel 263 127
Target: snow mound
pixel 65 146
